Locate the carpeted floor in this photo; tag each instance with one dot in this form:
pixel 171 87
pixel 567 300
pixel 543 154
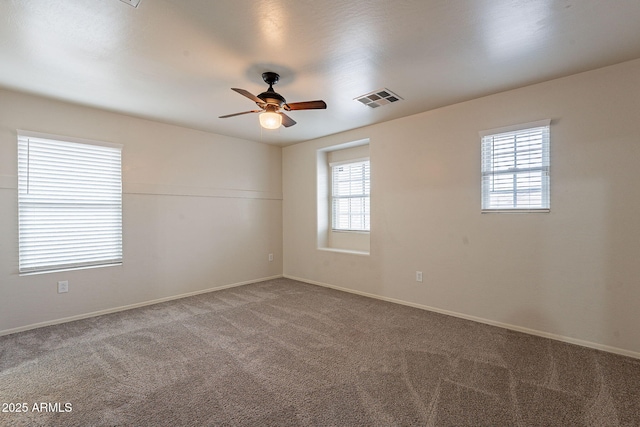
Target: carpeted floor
pixel 285 353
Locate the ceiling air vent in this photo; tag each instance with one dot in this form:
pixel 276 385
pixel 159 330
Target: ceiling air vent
pixel 378 97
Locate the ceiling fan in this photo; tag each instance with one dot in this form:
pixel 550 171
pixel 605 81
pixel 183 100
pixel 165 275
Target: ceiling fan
pixel 271 103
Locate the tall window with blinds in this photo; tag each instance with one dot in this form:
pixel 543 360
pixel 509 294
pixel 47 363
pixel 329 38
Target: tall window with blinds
pixel 351 190
pixel 69 203
pixel 515 168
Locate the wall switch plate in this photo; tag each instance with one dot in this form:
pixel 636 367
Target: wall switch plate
pixel 418 276
pixel 270 257
pixel 63 286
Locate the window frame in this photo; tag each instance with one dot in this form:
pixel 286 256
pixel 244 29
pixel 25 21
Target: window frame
pixel 489 172
pixel 71 189
pixel 365 196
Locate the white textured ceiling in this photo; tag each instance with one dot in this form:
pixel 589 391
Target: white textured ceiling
pixel 176 60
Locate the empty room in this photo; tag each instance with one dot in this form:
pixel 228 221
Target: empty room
pixel 320 213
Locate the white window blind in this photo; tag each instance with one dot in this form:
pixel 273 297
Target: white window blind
pixel 515 168
pixel 69 204
pixel 350 196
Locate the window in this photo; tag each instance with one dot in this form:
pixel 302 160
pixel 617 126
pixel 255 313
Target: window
pixel 343 234
pixel 515 168
pixel 350 187
pixel 69 203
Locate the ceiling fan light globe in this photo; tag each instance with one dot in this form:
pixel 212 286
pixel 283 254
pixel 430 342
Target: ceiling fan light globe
pixel 270 120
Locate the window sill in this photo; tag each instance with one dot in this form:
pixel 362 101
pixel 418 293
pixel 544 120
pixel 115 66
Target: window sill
pixel 58 270
pixel 345 251
pixel 333 230
pixel 517 211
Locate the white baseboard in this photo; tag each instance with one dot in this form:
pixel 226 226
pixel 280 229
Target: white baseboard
pixel 529 331
pixel 131 306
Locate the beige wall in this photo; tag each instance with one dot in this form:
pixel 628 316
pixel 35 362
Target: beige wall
pixel 573 274
pixel 192 222
pixel 200 211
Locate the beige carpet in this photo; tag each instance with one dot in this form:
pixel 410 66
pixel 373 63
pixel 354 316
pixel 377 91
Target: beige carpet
pixel 285 353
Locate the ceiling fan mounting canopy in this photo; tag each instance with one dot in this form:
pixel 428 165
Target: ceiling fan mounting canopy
pixel 270 77
pixel 272 102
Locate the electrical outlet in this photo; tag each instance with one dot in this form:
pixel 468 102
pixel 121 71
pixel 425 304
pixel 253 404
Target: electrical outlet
pixel 418 276
pixel 63 286
pixel 270 257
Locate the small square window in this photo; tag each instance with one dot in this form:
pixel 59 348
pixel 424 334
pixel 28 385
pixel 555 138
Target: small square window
pixel 515 168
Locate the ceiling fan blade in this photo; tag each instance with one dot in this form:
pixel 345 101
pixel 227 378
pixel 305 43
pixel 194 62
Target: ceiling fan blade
pixel 286 120
pixel 307 105
pixel 248 95
pixel 239 114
